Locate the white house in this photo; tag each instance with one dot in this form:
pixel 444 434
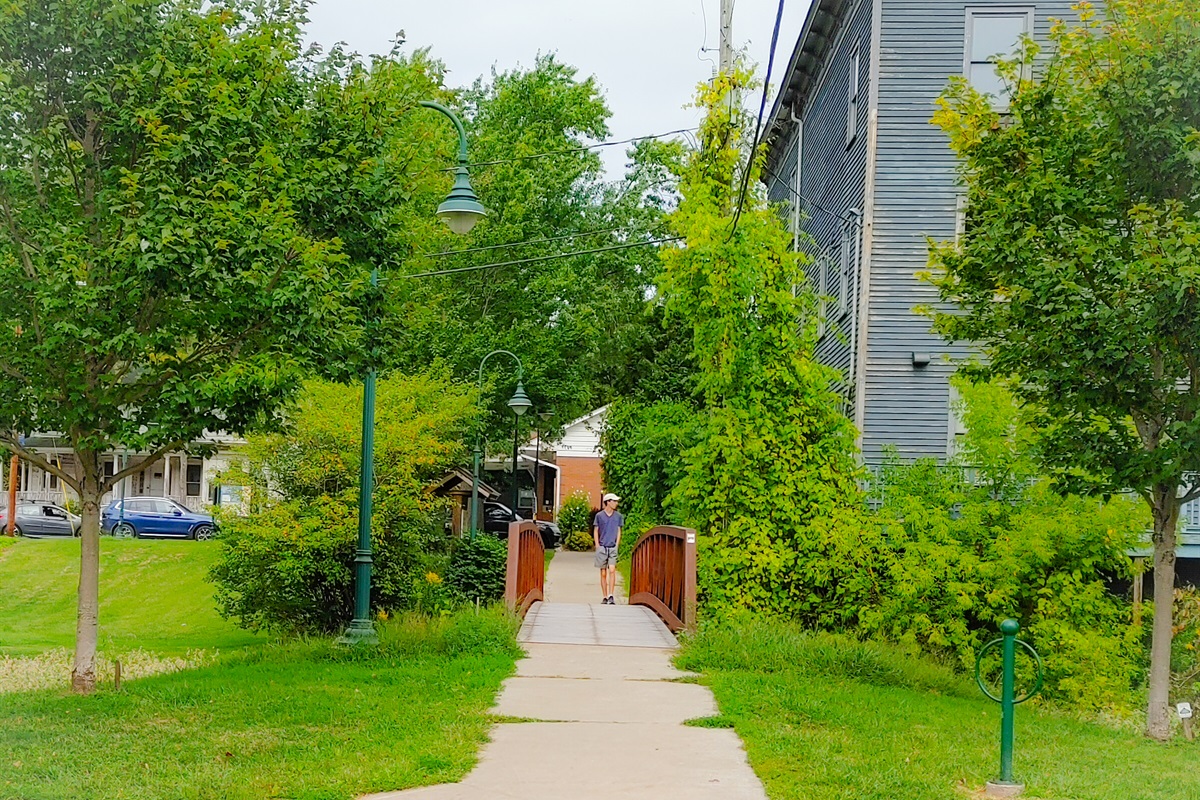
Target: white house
pixel 189 480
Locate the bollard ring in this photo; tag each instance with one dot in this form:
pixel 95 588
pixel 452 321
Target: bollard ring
pixel 1037 686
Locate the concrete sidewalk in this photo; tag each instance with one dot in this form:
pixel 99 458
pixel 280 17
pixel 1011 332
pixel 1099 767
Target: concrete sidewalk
pixel 600 683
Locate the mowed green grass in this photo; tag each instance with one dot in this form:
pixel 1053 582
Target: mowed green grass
pixel 304 721
pixel 828 719
pixel 153 596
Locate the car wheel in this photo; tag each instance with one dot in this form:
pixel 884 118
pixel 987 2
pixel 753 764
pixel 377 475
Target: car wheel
pixel 17 531
pixel 203 533
pixel 123 530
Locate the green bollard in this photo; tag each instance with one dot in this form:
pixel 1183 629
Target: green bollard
pixel 1007 786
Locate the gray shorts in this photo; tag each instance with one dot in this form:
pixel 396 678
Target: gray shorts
pixel 606 557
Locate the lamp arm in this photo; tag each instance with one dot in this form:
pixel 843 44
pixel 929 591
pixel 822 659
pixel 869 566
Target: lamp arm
pixel 520 366
pixel 462 132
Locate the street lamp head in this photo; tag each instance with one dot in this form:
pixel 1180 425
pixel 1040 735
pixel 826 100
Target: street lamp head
pixel 520 402
pixel 461 209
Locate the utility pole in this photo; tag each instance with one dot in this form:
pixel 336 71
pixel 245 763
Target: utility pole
pixel 726 57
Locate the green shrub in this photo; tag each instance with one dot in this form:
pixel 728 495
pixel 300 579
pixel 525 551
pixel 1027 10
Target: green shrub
pixel 288 568
pixel 1185 648
pixel 579 541
pixel 477 569
pixel 576 513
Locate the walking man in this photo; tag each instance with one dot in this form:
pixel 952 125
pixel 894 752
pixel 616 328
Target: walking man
pixel 606 532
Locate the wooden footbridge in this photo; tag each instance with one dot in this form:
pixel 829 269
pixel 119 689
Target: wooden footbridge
pixel 661 592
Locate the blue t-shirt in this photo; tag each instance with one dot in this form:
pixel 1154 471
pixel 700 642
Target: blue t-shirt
pixel 608 527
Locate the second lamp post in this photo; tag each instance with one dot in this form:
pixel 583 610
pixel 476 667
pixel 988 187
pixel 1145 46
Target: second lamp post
pixel 519 403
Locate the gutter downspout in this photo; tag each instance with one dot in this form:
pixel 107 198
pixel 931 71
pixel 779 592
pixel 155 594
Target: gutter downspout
pixel 798 187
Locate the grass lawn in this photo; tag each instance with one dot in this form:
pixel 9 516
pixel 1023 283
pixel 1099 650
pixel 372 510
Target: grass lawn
pixel 823 718
pixel 153 596
pixel 305 721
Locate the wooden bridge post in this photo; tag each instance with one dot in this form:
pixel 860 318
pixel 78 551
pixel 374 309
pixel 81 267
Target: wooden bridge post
pixel 525 577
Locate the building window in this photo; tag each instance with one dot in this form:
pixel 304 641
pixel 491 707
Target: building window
pixel 855 90
pixel 194 473
pixel 53 478
pixel 110 468
pixel 993 33
pixel 824 267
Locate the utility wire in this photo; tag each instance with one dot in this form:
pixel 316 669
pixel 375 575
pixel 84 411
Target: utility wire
pixel 762 108
pixel 574 149
pixel 515 262
pixel 804 199
pixel 522 243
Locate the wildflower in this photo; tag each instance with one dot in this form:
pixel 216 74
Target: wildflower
pixel 433 577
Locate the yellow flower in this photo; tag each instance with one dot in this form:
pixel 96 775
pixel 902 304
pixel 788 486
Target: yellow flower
pixel 433 577
pixel 383 615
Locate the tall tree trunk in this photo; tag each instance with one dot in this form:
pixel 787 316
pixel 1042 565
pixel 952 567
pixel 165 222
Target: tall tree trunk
pixel 1165 507
pixel 87 621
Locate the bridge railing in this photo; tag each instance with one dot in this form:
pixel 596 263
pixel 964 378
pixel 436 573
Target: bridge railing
pixel 525 579
pixel 662 575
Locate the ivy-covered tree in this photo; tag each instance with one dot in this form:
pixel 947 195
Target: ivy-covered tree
pixel 1078 270
pixel 776 460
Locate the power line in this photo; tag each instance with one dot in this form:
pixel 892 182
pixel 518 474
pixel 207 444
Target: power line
pixel 575 149
pixel 525 242
pixel 804 199
pixel 536 259
pixel 762 108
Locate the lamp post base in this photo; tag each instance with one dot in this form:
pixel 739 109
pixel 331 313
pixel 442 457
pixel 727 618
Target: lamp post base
pixel 361 631
pixel 994 789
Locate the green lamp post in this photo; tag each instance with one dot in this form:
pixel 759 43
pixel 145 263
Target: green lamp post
pixel 519 403
pixel 460 211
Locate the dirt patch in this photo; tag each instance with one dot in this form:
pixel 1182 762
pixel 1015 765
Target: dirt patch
pixel 52 669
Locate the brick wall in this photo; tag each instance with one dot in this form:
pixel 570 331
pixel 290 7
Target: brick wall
pixel 581 473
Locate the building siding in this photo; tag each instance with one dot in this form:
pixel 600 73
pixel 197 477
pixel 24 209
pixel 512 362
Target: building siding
pixel 916 199
pixel 831 186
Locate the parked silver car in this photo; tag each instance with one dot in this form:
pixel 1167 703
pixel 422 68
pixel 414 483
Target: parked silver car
pixel 36 520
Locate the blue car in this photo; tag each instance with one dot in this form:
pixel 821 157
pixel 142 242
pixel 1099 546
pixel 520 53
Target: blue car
pixel 146 517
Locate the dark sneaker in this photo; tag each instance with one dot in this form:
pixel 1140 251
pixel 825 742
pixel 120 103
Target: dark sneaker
pixel 612 601
pixel 604 602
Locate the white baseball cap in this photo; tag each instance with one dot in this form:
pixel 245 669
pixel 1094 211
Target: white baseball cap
pixel 610 496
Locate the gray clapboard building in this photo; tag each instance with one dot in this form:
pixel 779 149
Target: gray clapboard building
pixel 856 163
pixel 867 180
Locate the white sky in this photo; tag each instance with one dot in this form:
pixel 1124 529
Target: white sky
pixel 644 53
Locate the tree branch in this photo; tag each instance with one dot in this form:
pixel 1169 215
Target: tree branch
pixel 10 441
pixel 154 456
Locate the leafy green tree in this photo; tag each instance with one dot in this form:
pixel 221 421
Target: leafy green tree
pixel 567 318
pixel 1077 273
pixel 192 205
pixel 644 447
pixel 776 462
pixel 289 565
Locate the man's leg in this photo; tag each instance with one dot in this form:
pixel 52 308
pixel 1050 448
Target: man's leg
pixel 604 583
pixel 612 582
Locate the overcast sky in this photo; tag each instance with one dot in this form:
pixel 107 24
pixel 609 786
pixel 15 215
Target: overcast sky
pixel 644 53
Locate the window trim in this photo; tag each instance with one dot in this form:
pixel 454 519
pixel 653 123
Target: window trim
pixel 188 483
pixel 973 12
